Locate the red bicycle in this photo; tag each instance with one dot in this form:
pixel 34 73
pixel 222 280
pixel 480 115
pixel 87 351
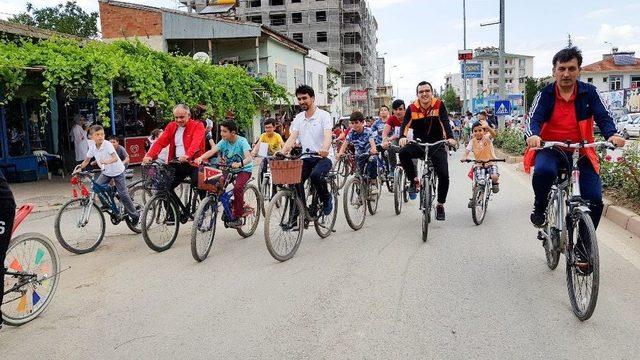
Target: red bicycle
pixel 31 274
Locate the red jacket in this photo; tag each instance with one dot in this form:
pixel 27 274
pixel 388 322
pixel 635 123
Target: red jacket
pixel 193 139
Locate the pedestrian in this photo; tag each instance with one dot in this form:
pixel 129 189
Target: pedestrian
pixel 78 136
pixel 120 150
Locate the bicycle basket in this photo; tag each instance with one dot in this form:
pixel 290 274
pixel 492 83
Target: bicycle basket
pixel 284 172
pixel 158 177
pixel 210 179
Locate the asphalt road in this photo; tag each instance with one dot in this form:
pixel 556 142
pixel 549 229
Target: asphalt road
pixel 470 292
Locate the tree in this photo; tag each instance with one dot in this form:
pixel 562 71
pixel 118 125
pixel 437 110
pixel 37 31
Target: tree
pixel 531 88
pixel 68 18
pixel 451 100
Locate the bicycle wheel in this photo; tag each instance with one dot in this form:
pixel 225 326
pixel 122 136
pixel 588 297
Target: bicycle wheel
pixel 325 223
pixel 426 210
pixel 139 195
pixel 355 208
pixel 343 170
pixel 284 225
pixel 160 223
pixel 34 255
pixel 398 189
pixel 478 208
pixel 552 241
pixel 266 190
pixel 79 226
pixel 583 282
pixel 372 202
pixel 252 206
pixel 203 229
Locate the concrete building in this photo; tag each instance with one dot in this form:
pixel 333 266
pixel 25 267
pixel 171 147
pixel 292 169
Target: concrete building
pixel 380 69
pixel 616 71
pixel 384 96
pixel 454 80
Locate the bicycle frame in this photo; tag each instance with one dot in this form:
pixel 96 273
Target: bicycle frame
pixel 106 194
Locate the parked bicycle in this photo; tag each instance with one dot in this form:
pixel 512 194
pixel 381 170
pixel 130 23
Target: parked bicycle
pixel 288 214
pixel 165 211
pixel 31 274
pixel 215 179
pixel 570 230
pixel 481 190
pixel 358 197
pixel 80 223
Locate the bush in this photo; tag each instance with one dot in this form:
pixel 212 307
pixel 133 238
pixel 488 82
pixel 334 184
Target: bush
pixel 511 140
pixel 623 174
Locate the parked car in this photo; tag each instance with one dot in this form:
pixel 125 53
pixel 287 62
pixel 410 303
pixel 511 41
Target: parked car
pixel 629 125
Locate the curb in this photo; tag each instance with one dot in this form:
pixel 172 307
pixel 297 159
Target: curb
pixel 619 215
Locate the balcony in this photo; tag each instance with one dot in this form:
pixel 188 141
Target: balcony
pixel 351 28
pixel 348 5
pixel 351 68
pixel 354 48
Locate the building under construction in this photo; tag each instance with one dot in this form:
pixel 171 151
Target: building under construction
pixel 344 30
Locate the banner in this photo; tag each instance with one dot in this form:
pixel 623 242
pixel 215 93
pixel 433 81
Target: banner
pixel 358 95
pixel 135 148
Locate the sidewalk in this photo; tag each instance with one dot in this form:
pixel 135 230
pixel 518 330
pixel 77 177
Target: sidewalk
pixel 44 194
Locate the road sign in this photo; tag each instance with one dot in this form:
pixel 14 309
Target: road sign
pixel 502 107
pixel 465 55
pixel 471 70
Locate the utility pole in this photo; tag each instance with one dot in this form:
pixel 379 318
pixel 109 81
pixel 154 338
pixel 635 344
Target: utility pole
pixel 501 82
pixel 464 62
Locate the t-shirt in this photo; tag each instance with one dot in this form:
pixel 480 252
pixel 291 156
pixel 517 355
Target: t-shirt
pixel 235 151
pixel 104 153
pixel 122 153
pixel 482 149
pixel 79 138
pixel 5 192
pixel 179 141
pixel 360 141
pixel 378 128
pixel 274 141
pixel 311 130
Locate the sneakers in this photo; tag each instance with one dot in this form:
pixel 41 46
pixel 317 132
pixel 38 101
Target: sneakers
pixel 236 223
pixel 327 207
pixel 413 190
pixel 373 188
pixel 440 216
pixel 495 188
pixel 538 220
pixel 134 220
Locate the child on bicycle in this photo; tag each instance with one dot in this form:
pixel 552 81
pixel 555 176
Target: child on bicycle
pixel 272 139
pixel 112 167
pixel 481 145
pixel 363 140
pixel 235 148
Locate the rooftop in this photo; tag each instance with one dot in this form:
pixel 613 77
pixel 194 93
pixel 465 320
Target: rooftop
pixel 614 63
pixel 8 27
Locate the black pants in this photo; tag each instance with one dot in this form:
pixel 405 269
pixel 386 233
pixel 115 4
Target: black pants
pixel 316 169
pixel 439 159
pixel 184 170
pixel 7 214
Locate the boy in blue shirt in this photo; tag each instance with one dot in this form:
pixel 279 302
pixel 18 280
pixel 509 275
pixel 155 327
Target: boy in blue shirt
pixel 233 147
pixel 363 140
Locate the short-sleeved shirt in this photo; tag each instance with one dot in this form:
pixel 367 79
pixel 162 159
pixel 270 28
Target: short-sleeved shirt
pixel 360 141
pixel 122 153
pixel 482 149
pixel 274 141
pixel 378 128
pixel 104 153
pixel 237 149
pixel 394 123
pixel 311 130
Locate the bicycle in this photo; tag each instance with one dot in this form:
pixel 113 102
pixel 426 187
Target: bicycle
pixel 345 167
pixel 266 188
pixel 569 229
pixel 76 229
pixel 357 197
pixel 383 168
pixel 288 215
pixel 481 190
pixel 400 185
pixel 203 229
pixel 31 274
pixel 427 185
pixel 165 209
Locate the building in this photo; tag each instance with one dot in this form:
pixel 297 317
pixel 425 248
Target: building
pixel 616 71
pixel 454 80
pixel 380 69
pixel 383 96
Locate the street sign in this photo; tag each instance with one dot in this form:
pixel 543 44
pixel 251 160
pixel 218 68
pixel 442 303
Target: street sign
pixel 465 55
pixel 471 70
pixel 502 107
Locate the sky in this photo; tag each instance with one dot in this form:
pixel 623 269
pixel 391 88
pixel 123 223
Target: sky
pixel 420 38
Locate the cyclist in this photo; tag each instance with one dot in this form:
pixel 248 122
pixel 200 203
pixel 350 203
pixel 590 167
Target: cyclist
pixel 363 140
pixel 379 125
pixel 481 145
pixel 312 128
pixel 391 132
pixel 272 139
pixel 566 111
pixel 232 146
pixel 112 167
pixel 185 138
pixel 427 116
pixel 7 214
pixel 120 150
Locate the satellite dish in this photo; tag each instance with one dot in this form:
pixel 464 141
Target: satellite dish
pixel 201 57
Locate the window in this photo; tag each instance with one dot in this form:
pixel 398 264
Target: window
pixel 309 78
pixel 276 2
pixel 321 16
pixel 278 19
pixel 296 18
pixel 324 53
pixel 298 77
pixel 281 74
pixel 297 37
pixel 256 19
pixel 635 82
pixel 16 131
pixel 615 83
pixel 521 62
pixel 321 36
pixel 255 3
pixel 604 79
pixel 590 80
pixel 320 84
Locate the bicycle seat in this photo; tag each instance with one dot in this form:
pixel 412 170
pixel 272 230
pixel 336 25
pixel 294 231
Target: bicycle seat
pixel 21 214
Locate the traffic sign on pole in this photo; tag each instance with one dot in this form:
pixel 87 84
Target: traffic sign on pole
pixel 465 55
pixel 502 107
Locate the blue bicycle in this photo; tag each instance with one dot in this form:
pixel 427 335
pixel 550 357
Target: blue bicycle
pixel 77 230
pixel 215 179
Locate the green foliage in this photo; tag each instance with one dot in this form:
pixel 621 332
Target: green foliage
pixel 150 76
pixel 68 18
pixel 451 100
pixel 511 140
pixel 333 76
pixel 532 86
pixel 623 174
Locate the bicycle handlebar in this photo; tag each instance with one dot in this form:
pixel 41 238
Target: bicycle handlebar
pixel 578 145
pixel 427 144
pixel 482 161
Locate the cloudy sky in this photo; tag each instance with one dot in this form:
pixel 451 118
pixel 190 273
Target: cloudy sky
pixel 421 37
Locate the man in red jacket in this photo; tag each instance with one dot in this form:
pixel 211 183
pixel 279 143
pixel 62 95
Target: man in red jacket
pixel 185 138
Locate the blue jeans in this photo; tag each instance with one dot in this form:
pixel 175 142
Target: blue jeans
pixel 368 167
pixel 316 169
pixel 123 192
pixel 548 162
